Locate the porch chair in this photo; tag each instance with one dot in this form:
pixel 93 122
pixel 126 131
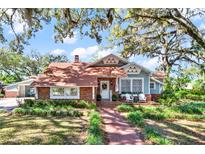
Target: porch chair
pixel 129 97
pixel 142 98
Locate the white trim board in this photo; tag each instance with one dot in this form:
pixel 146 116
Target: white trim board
pixel 152 78
pixel 131 78
pixel 65 97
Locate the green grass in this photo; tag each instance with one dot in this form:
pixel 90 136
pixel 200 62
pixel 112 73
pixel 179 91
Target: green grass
pixel 190 111
pixel 152 135
pixel 42 130
pixel 136 118
pixel 160 115
pixel 125 108
pixel 95 134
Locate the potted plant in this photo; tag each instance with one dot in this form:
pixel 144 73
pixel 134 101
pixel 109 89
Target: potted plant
pixel 99 97
pixel 1 95
pixel 114 97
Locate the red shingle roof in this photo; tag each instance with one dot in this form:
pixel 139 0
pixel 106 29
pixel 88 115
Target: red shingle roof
pixel 159 75
pixel 75 74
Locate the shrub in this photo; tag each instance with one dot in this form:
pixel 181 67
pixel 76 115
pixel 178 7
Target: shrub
pixel 1 95
pixel 94 140
pixel 28 103
pixel 114 97
pixel 136 118
pixel 98 97
pixel 195 97
pixel 74 113
pixel 189 108
pixel 125 108
pixel 92 106
pixel 156 116
pixel 152 135
pixel 37 111
pixel 95 135
pixel 18 111
pixel 3 111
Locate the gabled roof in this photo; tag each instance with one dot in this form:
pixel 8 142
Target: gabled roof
pixel 160 75
pixel 97 63
pixel 26 81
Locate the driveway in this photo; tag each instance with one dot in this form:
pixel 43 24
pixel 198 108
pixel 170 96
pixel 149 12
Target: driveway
pixel 8 103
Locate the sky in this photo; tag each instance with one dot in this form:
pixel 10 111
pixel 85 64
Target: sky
pixel 85 47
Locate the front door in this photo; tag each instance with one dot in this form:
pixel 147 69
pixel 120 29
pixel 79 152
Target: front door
pixel 104 89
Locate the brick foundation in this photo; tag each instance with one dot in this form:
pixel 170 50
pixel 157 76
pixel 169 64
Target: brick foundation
pixel 149 97
pixel 155 96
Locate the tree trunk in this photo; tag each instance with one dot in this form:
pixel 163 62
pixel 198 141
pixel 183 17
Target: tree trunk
pixel 167 82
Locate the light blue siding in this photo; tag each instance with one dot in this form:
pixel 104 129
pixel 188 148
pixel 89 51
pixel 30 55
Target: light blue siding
pixel 157 89
pixel 145 76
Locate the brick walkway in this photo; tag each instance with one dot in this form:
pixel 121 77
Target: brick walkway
pixel 118 131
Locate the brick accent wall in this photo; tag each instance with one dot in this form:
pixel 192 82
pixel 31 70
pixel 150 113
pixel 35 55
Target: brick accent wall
pixel 86 93
pixel 11 94
pixel 43 92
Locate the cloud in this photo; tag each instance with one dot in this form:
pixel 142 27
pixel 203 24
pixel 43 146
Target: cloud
pixel 202 26
pixel 88 53
pixel 58 52
pixel 19 28
pixel 72 40
pixel 151 63
pixel 19 25
pixel 84 52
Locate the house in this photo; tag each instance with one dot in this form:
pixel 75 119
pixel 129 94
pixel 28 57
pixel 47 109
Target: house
pixel 107 76
pixel 20 89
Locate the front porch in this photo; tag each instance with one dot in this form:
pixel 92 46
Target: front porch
pixel 107 87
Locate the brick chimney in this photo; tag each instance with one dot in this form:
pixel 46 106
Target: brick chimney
pixel 77 59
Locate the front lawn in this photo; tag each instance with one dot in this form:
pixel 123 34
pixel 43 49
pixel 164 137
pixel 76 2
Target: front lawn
pixel 52 122
pixel 180 124
pixel 42 130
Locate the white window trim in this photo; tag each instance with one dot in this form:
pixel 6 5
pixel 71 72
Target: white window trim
pixel 93 93
pixel 154 85
pixel 131 78
pixel 64 97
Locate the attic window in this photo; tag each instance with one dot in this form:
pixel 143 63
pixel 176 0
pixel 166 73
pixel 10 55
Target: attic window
pixel 133 69
pixel 111 60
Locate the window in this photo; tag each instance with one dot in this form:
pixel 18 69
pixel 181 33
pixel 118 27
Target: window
pixel 152 85
pixel 133 85
pixel 71 91
pixel 125 85
pixel 58 91
pixel 68 92
pixel 137 85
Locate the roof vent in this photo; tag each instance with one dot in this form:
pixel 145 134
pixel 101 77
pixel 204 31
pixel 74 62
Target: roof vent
pixel 76 58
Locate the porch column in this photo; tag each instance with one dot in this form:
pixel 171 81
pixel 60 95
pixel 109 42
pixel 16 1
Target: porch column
pixel 93 92
pixel 116 85
pixel 36 93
